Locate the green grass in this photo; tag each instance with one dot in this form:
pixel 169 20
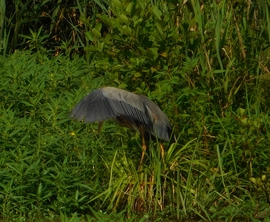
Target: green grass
pixel 53 168
pixel 206 65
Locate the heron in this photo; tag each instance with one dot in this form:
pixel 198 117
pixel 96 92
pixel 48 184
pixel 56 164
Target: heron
pixel 128 109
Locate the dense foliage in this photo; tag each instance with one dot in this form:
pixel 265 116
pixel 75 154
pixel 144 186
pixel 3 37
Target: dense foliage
pixel 206 63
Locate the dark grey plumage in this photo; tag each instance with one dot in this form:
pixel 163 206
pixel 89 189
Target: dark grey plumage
pixel 128 109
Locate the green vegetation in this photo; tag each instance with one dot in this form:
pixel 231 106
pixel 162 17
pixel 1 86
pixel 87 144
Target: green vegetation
pixel 206 63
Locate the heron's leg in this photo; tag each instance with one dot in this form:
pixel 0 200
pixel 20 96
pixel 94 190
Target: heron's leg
pixel 99 126
pixel 143 148
pixel 161 150
pixel 143 152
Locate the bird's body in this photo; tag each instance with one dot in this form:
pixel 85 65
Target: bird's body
pixel 128 109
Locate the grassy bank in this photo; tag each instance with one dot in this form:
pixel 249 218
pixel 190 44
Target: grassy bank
pixel 218 168
pixel 205 64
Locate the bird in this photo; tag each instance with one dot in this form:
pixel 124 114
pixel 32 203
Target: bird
pixel 130 110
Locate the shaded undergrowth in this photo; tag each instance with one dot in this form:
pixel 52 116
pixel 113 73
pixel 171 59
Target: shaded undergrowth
pixel 206 64
pixel 217 168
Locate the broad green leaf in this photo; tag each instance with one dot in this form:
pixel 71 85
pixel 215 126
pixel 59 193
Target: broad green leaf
pixel 98 27
pixel 157 12
pixel 96 33
pixel 159 28
pixel 122 86
pixel 116 67
pixel 124 18
pixel 90 36
pixel 117 3
pixel 137 74
pixel 129 7
pixel 154 53
pixel 126 30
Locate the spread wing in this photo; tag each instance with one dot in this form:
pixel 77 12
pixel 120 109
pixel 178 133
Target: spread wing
pixel 110 102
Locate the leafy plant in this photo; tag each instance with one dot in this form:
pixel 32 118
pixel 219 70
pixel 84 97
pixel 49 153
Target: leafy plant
pixel 204 63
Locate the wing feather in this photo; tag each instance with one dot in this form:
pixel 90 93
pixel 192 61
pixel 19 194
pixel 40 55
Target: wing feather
pixel 161 126
pixel 110 102
pixel 127 104
pixel 93 107
pixel 121 95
